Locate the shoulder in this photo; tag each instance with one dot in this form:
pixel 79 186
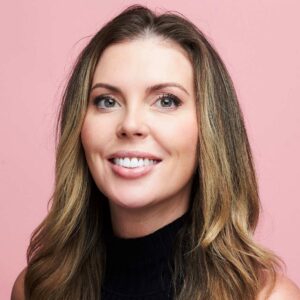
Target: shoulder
pixel 18 287
pixel 284 288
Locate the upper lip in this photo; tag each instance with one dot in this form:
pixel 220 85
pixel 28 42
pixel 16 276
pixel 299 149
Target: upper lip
pixel 140 154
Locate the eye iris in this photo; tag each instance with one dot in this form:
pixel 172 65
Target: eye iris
pixel 166 101
pixel 108 102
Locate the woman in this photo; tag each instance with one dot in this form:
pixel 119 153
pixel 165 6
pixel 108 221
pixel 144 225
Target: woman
pixel 155 193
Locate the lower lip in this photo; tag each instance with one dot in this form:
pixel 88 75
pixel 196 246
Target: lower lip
pixel 132 173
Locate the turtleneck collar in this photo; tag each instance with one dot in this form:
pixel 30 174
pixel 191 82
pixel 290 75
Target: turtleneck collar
pixel 136 265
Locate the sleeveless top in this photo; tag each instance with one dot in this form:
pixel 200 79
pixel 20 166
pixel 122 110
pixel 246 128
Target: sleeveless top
pixel 138 268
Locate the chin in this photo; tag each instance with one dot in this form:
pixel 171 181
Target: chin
pixel 132 202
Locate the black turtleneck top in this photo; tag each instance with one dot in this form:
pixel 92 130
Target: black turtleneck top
pixel 138 268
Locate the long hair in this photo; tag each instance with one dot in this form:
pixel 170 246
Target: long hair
pixel 215 253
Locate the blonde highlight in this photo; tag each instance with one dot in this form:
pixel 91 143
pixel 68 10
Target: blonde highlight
pixel 216 253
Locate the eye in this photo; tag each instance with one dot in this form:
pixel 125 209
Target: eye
pixel 105 101
pixel 168 101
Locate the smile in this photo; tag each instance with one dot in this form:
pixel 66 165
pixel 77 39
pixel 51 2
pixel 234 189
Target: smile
pixel 132 168
pixel 133 162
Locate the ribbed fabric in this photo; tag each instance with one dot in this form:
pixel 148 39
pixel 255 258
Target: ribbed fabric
pixel 137 268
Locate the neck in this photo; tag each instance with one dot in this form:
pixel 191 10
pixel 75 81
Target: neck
pixel 133 223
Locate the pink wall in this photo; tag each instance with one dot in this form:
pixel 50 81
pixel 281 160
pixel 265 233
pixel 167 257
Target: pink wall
pixel 39 40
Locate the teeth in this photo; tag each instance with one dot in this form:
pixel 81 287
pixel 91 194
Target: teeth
pixel 134 162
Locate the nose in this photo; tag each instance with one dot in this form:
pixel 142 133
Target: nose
pixel 133 125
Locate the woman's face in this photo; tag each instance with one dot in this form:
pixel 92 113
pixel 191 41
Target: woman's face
pixel 142 108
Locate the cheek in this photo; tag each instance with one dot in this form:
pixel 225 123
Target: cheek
pixel 86 135
pixel 180 136
pixel 187 141
pixel 93 135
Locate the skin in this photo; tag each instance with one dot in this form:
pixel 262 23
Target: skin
pixel 140 121
pixel 138 124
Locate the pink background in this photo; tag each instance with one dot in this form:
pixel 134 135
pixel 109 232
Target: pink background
pixel 259 42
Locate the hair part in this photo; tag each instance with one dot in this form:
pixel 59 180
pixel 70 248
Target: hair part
pixel 215 252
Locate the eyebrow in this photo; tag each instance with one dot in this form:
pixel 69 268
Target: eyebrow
pixel 149 89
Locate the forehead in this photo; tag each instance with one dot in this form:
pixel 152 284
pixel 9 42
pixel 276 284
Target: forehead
pixel 147 60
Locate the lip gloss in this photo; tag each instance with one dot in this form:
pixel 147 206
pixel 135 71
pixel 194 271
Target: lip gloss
pixel 132 173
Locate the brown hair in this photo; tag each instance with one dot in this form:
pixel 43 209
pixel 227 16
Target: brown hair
pixel 215 253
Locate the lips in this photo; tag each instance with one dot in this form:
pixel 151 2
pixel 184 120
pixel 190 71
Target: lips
pixel 137 172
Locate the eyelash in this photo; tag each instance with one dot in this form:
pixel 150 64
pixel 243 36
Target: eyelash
pixel 175 100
